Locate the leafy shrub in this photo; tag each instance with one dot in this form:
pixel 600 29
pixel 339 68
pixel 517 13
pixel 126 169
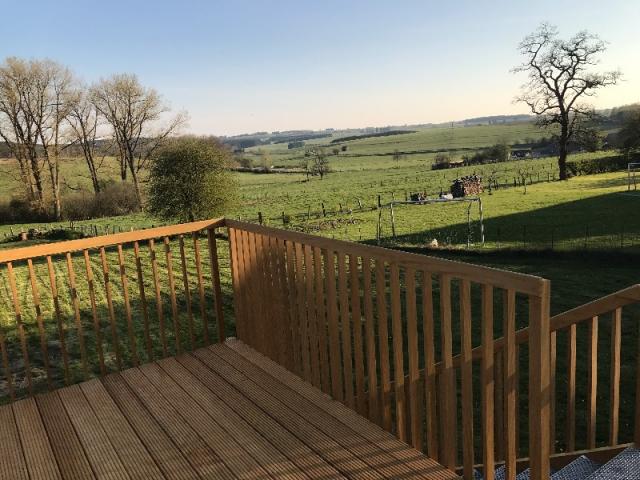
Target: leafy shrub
pixel 116 198
pixel 590 166
pixel 19 210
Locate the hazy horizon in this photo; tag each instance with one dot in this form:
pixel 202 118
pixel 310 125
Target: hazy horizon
pixel 251 66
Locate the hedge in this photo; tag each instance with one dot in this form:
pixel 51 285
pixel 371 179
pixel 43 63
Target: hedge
pixel 589 166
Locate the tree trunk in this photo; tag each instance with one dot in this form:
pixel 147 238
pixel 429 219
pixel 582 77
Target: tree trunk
pixel 562 147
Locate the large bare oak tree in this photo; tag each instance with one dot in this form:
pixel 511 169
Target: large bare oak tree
pixel 559 77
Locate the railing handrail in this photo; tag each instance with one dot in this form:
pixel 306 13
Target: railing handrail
pixel 523 283
pixel 57 248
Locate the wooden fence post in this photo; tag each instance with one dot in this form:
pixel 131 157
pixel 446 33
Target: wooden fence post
pixel 539 384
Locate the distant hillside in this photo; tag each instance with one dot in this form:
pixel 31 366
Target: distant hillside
pixel 496 119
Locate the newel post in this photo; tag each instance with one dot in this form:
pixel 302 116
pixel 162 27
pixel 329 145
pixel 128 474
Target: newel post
pixel 539 383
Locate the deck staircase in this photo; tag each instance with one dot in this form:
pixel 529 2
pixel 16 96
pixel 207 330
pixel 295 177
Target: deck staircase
pixel 624 466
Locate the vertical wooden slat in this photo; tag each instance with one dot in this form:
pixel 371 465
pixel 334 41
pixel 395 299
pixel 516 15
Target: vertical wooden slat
pixel 539 381
pixel 430 380
pixel 570 433
pixel 172 295
pixel 302 313
pixel 398 353
pixel 270 289
pixel 325 368
pixel 94 311
pixel 370 339
pixel 312 316
pixel 488 385
pixel 236 270
pixel 345 323
pixel 43 337
pixel 283 286
pixel 20 326
pixel 56 308
pixel 279 296
pixel 127 306
pixel 499 406
pixel 510 396
pixel 616 337
pixel 356 315
pixel 143 301
pixel 76 309
pixel 251 283
pixel 335 358
pixel 466 372
pixel 187 292
pixel 552 390
pixel 592 388
pixel 383 345
pixel 158 295
pixel 448 394
pixel 412 350
pixel 294 324
pixel 215 278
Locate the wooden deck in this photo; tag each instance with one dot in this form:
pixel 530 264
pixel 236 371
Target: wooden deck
pixel 221 412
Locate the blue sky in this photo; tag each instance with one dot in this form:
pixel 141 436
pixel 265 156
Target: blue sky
pixel 243 66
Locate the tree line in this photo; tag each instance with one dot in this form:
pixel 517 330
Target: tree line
pixel 46 112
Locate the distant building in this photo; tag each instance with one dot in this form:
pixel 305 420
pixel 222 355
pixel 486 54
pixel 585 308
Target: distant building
pixel 520 154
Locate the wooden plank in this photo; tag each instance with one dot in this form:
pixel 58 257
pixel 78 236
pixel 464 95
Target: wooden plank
pixel 237 280
pixel 168 457
pixel 17 309
pixel 38 308
pixel 553 351
pixel 523 283
pixel 312 316
pixel 218 391
pixel 321 315
pixel 143 302
pixel 61 333
pixel 294 324
pixel 64 442
pixel 345 324
pixel 592 388
pixel 616 338
pixel 236 273
pixel 370 340
pixel 187 292
pixel 430 381
pixel 158 296
pixel 412 346
pixel 112 316
pixel 206 462
pixel 302 312
pixel 398 353
pixel 448 390
pixel 510 395
pixel 215 278
pixel 383 346
pixel 131 451
pixel 97 328
pixel 39 457
pixel 420 465
pixel 467 380
pixel 335 358
pixel 499 406
pixel 103 458
pixel 372 455
pixel 58 248
pixel 356 315
pixel 228 448
pixel 75 301
pixel 288 415
pixel 570 433
pixel 488 384
pixel 172 295
pixel 13 465
pixel 6 367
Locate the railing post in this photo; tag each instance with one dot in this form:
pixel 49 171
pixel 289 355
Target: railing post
pixel 539 384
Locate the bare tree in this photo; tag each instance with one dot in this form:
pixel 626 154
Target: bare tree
pixel 558 77
pixel 133 112
pixel 83 119
pixel 319 161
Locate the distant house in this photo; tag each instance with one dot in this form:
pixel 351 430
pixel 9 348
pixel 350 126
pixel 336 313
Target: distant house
pixel 520 154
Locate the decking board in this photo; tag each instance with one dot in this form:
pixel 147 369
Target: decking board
pixel 222 412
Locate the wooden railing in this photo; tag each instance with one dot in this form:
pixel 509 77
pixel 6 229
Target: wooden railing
pixel 76 309
pixel 379 330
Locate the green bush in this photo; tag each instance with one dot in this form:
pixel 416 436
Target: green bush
pixel 115 198
pixel 590 166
